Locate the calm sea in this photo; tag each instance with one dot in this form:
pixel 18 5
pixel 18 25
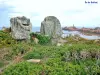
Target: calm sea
pixel 89 36
pixel 36 29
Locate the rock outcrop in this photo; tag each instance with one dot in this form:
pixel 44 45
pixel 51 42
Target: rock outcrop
pixel 20 28
pixel 34 60
pixel 51 26
pixel 4 29
pixel 36 41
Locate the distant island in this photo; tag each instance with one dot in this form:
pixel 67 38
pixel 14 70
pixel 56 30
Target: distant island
pixel 83 29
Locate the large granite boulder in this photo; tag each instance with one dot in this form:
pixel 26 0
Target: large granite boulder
pixel 20 28
pixel 51 26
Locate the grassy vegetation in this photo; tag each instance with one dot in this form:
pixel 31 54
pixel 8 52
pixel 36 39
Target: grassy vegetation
pixel 60 60
pixel 23 68
pixel 76 57
pixel 1 64
pixel 6 39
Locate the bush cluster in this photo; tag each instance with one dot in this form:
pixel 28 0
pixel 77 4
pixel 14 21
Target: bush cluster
pixel 23 68
pixel 63 60
pixel 6 39
pixel 17 49
pixel 1 64
pixel 54 63
pixel 42 38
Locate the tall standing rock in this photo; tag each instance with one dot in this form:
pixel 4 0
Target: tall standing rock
pixel 20 28
pixel 51 26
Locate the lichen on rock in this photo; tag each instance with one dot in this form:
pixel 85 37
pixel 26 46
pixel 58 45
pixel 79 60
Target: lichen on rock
pixel 51 26
pixel 20 28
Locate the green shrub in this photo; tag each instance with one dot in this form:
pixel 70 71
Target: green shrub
pixel 33 55
pixel 42 38
pixel 55 60
pixel 16 49
pixel 6 39
pixel 1 64
pixel 23 68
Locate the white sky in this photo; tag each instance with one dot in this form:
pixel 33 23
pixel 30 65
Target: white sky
pixel 69 12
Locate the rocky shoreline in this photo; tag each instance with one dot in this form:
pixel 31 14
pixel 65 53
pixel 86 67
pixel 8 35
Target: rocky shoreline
pixel 87 30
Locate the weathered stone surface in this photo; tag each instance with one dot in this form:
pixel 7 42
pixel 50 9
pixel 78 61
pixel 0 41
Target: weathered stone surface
pixel 59 44
pixel 36 41
pixel 51 26
pixel 85 54
pixel 20 28
pixel 34 60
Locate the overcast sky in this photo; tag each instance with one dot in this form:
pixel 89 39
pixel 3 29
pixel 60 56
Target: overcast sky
pixel 69 12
